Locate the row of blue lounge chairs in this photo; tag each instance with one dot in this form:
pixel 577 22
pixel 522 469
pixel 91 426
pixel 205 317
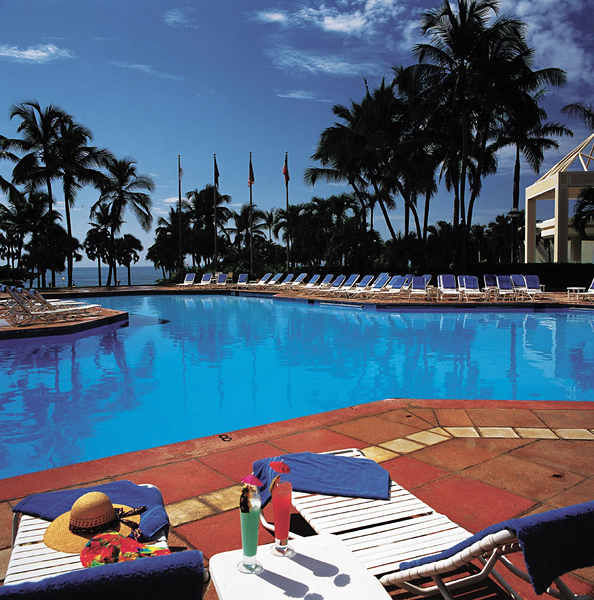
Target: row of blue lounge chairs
pixel 449 287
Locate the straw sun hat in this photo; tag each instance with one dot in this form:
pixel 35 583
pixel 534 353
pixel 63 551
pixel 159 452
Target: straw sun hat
pixel 91 514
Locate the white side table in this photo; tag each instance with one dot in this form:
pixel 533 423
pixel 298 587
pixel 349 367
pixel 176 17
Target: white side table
pixel 322 567
pixel 575 292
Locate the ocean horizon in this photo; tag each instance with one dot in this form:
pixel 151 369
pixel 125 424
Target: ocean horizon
pixel 88 276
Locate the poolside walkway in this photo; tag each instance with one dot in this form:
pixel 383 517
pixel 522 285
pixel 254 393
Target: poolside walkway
pixel 479 462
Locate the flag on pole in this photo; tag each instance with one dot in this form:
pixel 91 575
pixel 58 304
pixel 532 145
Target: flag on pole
pixel 286 169
pixel 216 172
pixel 181 173
pixel 251 179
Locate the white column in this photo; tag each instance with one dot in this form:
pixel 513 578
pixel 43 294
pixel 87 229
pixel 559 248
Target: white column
pixel 530 231
pixel 561 220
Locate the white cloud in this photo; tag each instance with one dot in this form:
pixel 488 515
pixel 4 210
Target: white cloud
pixel 298 95
pixel 178 17
pixel 35 54
pixel 349 17
pixel 146 69
pixel 289 59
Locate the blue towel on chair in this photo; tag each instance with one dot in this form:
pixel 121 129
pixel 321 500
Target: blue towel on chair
pixel 554 542
pixel 160 577
pixel 327 474
pixel 51 505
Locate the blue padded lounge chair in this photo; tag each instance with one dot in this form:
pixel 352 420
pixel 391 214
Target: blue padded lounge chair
pixel 300 278
pixel 188 280
pixel 418 288
pixel 505 288
pixel 470 288
pixel 519 284
pixel 377 286
pixel 334 286
pixel 348 285
pixel 275 280
pixel 447 288
pixel 264 279
pixel 206 279
pixel 242 279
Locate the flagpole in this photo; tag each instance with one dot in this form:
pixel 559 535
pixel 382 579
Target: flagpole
pixel 250 182
pixel 179 178
pixel 286 174
pixel 216 183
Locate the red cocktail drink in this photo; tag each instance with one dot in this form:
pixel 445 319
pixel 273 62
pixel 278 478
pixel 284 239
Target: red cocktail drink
pixel 281 507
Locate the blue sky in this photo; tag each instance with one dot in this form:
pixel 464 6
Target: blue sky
pixel 156 78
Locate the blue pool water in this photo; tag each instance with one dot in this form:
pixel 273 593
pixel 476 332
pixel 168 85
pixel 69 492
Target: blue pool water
pixel 191 366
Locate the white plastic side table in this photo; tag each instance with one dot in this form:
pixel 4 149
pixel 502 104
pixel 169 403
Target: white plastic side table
pixel 322 567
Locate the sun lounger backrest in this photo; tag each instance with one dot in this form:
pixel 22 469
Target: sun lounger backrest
pixel 418 283
pixel 532 282
pixel 275 279
pixel 338 281
pixel 490 280
pixel 222 278
pixel 365 281
pixel 448 281
pixel 471 282
pixel 287 279
pixel 380 282
pixel 518 281
pixel 300 278
pixel 243 277
pixel 327 279
pixel 351 280
pixel 427 278
pixel 396 282
pixel 266 277
pixel 504 282
pixel 313 280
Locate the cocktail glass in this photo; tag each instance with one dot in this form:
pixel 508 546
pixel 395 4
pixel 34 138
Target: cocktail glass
pixel 281 508
pixel 250 522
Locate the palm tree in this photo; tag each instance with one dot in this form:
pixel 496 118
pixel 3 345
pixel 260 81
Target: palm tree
pixel 242 225
pixel 583 210
pixel 269 221
pixel 200 208
pixel 96 243
pixel 121 190
pixel 39 129
pixel 76 162
pixel 127 249
pixel 584 112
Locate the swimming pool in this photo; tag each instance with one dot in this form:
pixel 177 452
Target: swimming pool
pixel 191 366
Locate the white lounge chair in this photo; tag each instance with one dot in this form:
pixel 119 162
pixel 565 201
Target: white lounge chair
pixel 188 280
pixel 360 287
pixel 519 285
pixel 383 534
pixel 394 286
pixel 447 288
pixel 534 289
pixel 300 278
pixel 222 279
pixel 206 279
pixel 287 280
pixel 418 288
pixel 333 286
pixel 377 286
pixel 263 280
pixel 242 279
pixel 275 280
pixel 505 288
pixel 347 285
pixel 469 286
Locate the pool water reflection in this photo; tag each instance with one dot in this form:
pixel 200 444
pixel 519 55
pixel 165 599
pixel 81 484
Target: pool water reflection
pixel 191 366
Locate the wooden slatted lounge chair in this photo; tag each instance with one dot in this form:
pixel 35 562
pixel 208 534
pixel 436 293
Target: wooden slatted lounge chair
pixel 188 281
pixel 385 535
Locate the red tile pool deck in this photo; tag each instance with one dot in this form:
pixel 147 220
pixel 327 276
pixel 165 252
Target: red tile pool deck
pixel 479 462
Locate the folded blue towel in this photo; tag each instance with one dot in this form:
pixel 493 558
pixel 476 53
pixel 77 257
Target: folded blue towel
pixel 159 577
pixel 554 542
pixel 51 505
pixel 327 474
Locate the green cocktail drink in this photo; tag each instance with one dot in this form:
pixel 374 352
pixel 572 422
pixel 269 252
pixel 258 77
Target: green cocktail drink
pixel 249 511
